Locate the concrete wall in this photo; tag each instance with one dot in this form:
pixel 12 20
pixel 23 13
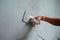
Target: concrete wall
pixel 8 19
pixel 48 8
pixel 11 12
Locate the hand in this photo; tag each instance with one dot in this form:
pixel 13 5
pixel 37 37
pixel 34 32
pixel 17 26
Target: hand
pixel 31 21
pixel 36 22
pixel 38 18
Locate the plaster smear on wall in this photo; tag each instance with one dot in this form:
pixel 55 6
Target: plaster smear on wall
pixel 11 12
pixel 32 7
pixel 35 8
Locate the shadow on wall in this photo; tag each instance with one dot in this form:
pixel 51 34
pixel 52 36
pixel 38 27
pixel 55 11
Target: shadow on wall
pixel 29 28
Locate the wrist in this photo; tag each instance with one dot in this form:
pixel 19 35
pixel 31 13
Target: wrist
pixel 43 18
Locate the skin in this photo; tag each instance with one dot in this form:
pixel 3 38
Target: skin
pixel 53 21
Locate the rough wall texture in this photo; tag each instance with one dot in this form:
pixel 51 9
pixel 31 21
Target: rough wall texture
pixel 11 12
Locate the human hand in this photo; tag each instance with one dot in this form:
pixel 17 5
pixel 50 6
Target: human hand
pixel 35 20
pixel 38 18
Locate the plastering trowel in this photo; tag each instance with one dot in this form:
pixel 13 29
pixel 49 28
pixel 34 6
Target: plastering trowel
pixel 26 19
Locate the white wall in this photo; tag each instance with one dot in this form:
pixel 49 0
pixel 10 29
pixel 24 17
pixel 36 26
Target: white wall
pixel 48 8
pixel 11 12
pixel 8 19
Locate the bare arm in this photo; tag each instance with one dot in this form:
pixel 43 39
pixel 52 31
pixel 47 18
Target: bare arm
pixel 53 21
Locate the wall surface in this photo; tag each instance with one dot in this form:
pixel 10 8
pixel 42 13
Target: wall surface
pixel 8 19
pixel 12 28
pixel 50 8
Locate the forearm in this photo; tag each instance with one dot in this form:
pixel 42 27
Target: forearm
pixel 54 21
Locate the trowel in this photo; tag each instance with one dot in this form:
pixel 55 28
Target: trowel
pixel 26 18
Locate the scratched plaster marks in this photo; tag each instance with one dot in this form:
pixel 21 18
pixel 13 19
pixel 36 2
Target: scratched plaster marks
pixel 34 7
pixel 34 4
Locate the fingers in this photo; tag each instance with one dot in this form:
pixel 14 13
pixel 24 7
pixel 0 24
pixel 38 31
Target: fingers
pixel 37 22
pixel 38 18
pixel 31 21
